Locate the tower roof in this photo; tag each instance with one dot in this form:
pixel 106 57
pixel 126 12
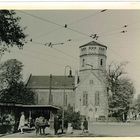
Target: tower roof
pixel 93 43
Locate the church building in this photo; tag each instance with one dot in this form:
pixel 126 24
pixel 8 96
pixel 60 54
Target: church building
pixel 86 92
pixel 91 92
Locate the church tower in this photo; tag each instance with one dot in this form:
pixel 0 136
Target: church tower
pixel 91 93
pixel 92 56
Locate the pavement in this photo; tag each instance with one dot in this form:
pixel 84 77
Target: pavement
pixel 49 133
pixel 131 129
pixel 96 129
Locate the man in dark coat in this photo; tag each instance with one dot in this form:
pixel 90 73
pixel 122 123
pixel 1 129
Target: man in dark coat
pixel 56 124
pixel 85 125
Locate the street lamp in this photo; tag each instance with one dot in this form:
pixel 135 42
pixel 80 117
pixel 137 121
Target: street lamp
pixel 50 93
pixel 70 75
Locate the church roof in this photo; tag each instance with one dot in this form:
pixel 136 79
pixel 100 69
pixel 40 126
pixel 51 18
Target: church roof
pixel 43 82
pixel 93 43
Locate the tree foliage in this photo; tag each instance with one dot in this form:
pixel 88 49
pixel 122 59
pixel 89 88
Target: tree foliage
pixel 122 90
pixel 17 93
pixel 13 89
pixel 71 117
pixel 11 72
pixel 11 33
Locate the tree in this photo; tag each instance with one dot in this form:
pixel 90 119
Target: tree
pixel 11 72
pixel 13 89
pixel 17 93
pixel 122 90
pixel 11 33
pixel 136 103
pixel 70 117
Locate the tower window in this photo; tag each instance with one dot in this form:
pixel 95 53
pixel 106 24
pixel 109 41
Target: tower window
pixel 83 62
pixel 83 49
pixel 97 99
pixel 91 82
pixel 101 62
pixel 85 98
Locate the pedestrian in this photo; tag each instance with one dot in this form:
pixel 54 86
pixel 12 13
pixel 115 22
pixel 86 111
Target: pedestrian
pixel 70 128
pixel 21 123
pixel 82 127
pixel 37 125
pixel 42 125
pixel 56 124
pixel 85 125
pixel 96 117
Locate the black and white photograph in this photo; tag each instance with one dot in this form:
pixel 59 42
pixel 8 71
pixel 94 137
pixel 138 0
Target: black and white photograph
pixel 69 73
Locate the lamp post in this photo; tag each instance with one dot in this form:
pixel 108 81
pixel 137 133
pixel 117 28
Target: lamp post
pixel 50 93
pixel 70 75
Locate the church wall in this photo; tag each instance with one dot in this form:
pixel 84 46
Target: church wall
pixel 43 96
pixel 91 90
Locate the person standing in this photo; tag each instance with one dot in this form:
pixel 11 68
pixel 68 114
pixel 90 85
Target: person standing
pixel 56 125
pixel 37 125
pixel 85 125
pixel 21 122
pixel 42 124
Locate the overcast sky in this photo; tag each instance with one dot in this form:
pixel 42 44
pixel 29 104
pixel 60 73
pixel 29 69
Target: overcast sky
pixel 39 59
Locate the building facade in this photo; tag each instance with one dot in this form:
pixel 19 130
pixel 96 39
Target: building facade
pixel 53 90
pixel 91 92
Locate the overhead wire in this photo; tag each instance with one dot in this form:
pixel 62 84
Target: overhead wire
pixel 122 28
pixel 48 33
pixel 66 54
pixel 46 20
pixel 61 26
pixel 83 18
pixel 53 56
pixel 118 55
pixel 73 22
pixel 108 32
pixel 40 58
pixel 49 21
pixel 40 18
pixel 52 22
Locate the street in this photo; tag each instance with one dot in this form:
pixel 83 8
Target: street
pixel 95 130
pixel 115 129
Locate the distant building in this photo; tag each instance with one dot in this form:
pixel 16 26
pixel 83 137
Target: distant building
pixel 50 90
pixel 91 92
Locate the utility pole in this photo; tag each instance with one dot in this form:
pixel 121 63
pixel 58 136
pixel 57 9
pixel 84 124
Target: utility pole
pixel 50 91
pixel 63 111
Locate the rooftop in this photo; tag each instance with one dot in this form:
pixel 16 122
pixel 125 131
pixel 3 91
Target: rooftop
pixel 93 43
pixel 57 82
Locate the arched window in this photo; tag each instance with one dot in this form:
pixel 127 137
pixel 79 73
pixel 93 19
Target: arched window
pixel 101 62
pixel 85 98
pixel 83 62
pixel 97 98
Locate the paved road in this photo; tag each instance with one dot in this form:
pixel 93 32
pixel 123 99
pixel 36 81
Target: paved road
pixel 49 134
pixel 95 130
pixel 115 129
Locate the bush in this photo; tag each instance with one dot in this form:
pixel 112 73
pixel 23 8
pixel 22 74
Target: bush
pixel 70 117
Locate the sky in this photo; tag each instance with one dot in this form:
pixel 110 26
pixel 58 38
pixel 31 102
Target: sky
pixel 44 26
